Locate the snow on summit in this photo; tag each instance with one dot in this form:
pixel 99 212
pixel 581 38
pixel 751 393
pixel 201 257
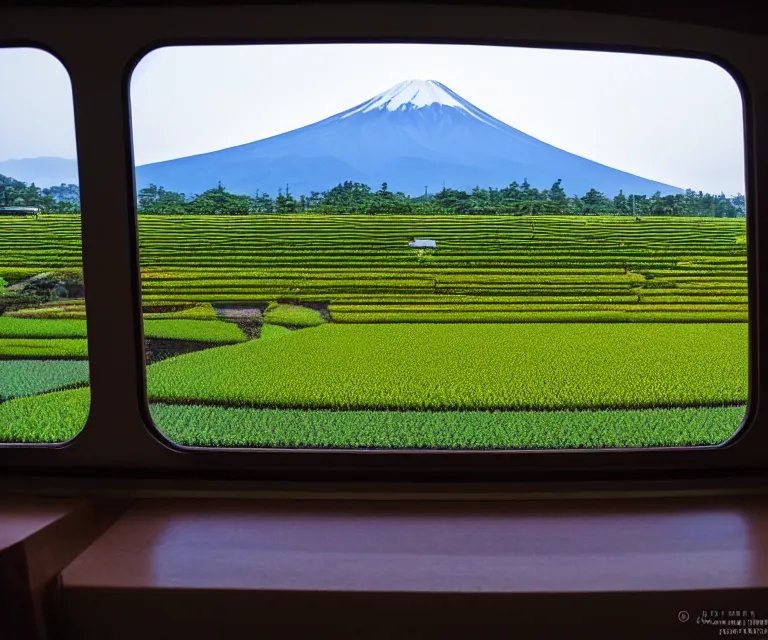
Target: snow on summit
pixel 413 94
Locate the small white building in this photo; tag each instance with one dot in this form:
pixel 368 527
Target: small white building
pixel 19 211
pixel 419 243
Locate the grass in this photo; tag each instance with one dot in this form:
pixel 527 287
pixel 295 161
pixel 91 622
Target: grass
pixel 620 312
pixel 34 328
pixel 330 258
pixel 467 367
pixel 205 331
pixel 203 311
pixel 15 274
pixel 271 331
pixel 50 312
pixel 59 416
pixel 213 426
pixel 43 348
pixel 202 330
pixel 75 310
pixel 29 377
pixel 51 417
pixel 292 316
pixel 534 317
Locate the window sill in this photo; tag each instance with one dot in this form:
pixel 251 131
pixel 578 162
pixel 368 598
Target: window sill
pixel 608 568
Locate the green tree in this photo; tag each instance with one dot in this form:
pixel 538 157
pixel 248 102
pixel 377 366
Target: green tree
pixel 557 193
pixel 348 197
pixel 154 199
pixel 740 205
pixel 621 204
pixel 453 200
pixel 511 193
pixel 262 203
pixel 285 202
pixel 594 202
pixel 218 201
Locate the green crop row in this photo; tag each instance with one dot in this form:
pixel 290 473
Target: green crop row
pixel 29 377
pixel 537 308
pixel 208 331
pixel 51 417
pixel 203 331
pixel 215 426
pixel 34 328
pixel 43 348
pixel 59 417
pixel 292 316
pixel 696 299
pixel 50 312
pixel 536 317
pixel 203 311
pixel 321 272
pixel 467 367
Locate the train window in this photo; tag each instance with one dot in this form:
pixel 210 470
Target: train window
pixel 44 397
pixel 441 247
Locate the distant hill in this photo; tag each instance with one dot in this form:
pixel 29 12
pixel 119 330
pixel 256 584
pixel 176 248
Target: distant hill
pixel 417 134
pixel 44 172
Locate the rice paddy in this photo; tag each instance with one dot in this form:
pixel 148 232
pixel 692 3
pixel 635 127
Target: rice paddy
pixel 514 332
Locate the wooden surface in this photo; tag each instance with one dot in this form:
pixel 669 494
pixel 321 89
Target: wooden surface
pixel 22 517
pixel 38 538
pixel 203 569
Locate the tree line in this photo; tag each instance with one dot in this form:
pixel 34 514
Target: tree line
pixel 515 199
pixel 62 199
pixel 355 197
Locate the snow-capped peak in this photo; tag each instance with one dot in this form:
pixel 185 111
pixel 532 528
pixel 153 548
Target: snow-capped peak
pixel 411 94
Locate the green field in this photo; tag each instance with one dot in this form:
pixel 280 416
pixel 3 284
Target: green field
pixel 30 377
pixel 59 416
pixel 43 348
pixel 467 367
pixel 515 332
pixel 292 316
pixel 597 267
pixel 205 331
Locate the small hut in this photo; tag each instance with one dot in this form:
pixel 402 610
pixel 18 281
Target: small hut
pixel 20 211
pixel 420 243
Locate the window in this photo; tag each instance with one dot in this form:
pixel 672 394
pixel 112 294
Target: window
pixel 445 247
pixel 43 353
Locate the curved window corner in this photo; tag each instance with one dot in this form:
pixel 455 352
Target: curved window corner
pixel 44 394
pixel 441 254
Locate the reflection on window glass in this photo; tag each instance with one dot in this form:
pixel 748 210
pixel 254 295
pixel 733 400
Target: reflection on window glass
pixel 522 249
pixel 43 353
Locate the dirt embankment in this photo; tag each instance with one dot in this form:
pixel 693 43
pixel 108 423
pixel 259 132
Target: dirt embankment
pixel 246 316
pixel 157 349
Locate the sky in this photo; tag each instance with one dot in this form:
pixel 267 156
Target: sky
pixel 675 120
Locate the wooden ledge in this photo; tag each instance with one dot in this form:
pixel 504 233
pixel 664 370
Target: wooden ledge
pixel 299 569
pixel 38 538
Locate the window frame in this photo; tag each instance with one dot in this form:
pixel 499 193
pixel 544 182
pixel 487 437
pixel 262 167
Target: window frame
pixel 119 436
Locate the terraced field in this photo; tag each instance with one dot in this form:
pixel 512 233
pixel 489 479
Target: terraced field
pixel 559 267
pixel 674 291
pixel 485 268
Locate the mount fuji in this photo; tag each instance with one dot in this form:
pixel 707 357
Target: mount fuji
pixel 417 134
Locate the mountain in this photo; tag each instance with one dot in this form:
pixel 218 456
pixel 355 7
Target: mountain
pixel 44 172
pixel 417 134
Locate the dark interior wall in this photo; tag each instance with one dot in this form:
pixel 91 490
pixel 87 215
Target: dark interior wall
pixel 741 15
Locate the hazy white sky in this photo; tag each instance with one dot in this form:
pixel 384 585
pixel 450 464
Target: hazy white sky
pixel 674 120
pixel 36 115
